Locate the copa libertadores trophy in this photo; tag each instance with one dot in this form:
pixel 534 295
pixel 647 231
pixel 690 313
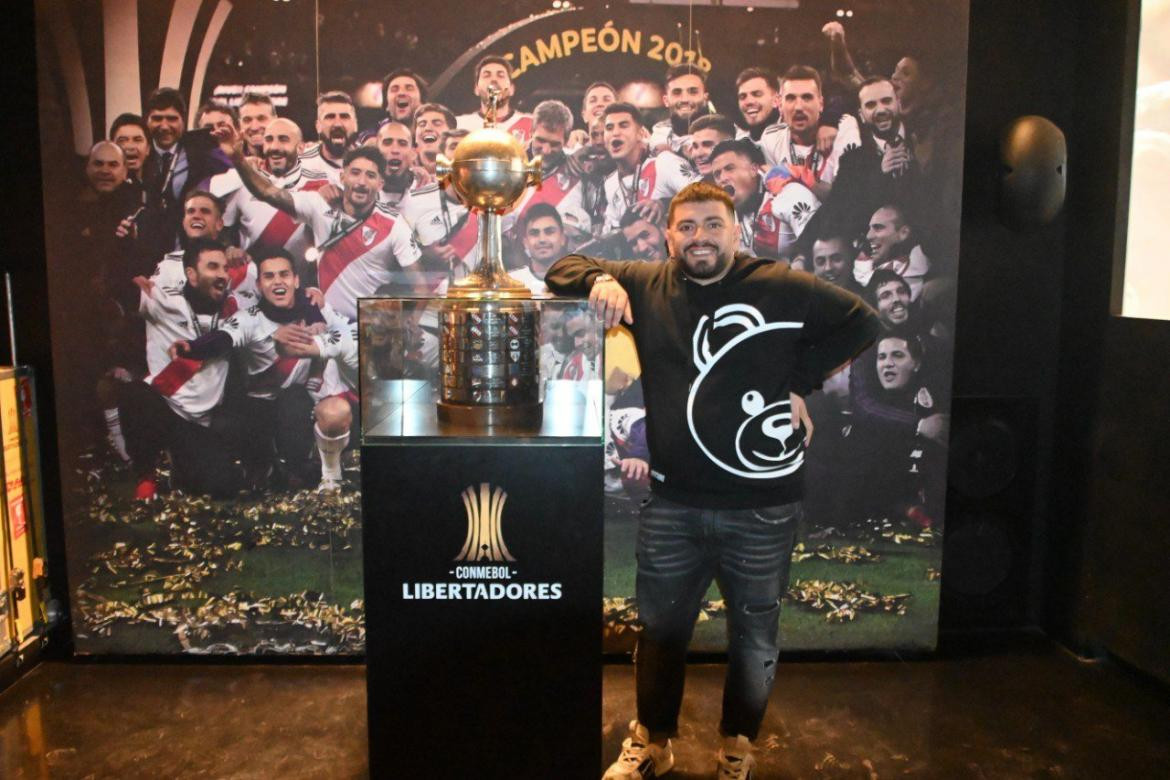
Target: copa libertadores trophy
pixel 490 326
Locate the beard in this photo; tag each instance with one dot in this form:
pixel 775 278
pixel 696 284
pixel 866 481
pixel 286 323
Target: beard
pixel 704 267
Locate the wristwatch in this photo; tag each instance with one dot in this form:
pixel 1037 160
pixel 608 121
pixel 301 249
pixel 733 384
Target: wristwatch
pixel 602 278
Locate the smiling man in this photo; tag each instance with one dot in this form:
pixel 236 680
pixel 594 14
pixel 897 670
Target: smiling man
pixel 730 345
pixel 494 72
pixel 686 97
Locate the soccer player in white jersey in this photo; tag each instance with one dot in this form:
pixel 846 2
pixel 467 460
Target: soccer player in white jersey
pixel 362 245
pixel 794 144
pixel 707 132
pixel 757 91
pixel 336 128
pixel 256 111
pixel 492 71
pixel 172 409
pixel 641 181
pixel 542 233
pixel 560 185
pixel 686 97
pixel 446 230
pixel 597 96
pixel 394 141
pixel 770 223
pixel 280 390
pixel 431 120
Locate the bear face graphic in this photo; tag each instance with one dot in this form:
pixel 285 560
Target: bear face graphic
pixel 738 414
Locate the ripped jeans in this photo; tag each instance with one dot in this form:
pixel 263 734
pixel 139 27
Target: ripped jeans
pixel 680 550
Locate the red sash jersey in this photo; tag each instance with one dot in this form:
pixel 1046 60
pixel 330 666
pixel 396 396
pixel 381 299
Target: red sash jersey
pixel 518 124
pixel 311 159
pixel 263 227
pixel 657 178
pixel 719 362
pixel 779 148
pixel 562 190
pixel 423 210
pixel 779 222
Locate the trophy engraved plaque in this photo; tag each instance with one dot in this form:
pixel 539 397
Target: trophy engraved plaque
pixel 490 327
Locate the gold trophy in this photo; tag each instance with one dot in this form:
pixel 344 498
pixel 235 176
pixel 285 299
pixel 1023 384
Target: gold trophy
pixel 490 374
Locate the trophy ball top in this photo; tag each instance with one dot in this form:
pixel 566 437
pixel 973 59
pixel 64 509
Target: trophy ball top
pixel 490 169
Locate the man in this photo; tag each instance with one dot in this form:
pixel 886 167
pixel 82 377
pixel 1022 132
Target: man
pixel 129 132
pixel 771 222
pixel 636 238
pixel 256 111
pixel 597 96
pixel 640 180
pixel 890 295
pixel 449 140
pixel 174 408
pixel 493 72
pixel 706 133
pixel 404 91
pixel 794 144
pixel 336 127
pixel 361 245
pixel 891 245
pixel 729 346
pixel 395 143
pixel 686 97
pixel 757 91
pixel 430 121
pixel 276 414
pixel 543 235
pixel 832 261
pixel 221 118
pixel 561 184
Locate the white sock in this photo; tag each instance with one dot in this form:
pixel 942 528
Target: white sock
pixel 114 433
pixel 330 448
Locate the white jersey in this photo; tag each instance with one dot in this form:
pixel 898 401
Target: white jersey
pixel 339 343
pixel 169 271
pixel 780 148
pixel 518 124
pixel 269 372
pixel 533 282
pixel 655 178
pixel 192 388
pixel 779 222
pixel 744 133
pixel 662 134
pixel 436 218
pixel 357 256
pixel 564 192
pixel 311 159
pixel 263 227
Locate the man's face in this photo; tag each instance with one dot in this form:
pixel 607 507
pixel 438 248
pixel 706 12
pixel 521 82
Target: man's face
pixel 428 129
pixel 757 99
pixel 278 282
pixel 879 106
pixel 215 120
pixel 394 144
pixel 644 239
pixel 134 145
pixel 685 95
pixel 623 137
pixel 201 218
pixel 832 259
pixel 544 240
pixel 895 365
pixel 801 104
pixel 886 232
pixel 361 181
pixel 702 142
pixel 281 144
pixel 209 277
pixel 704 236
pixel 402 99
pixel 254 121
pixel 734 172
pixel 493 75
pixel 336 124
pixel 907 80
pixel 584 336
pixel 105 169
pixel 893 302
pixel 165 125
pixel 450 144
pixel 548 140
pixel 595 102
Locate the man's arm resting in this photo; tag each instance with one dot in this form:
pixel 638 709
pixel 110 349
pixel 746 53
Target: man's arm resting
pixel 261 188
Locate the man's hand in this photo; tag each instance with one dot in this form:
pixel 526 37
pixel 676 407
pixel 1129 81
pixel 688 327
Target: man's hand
pixel 332 194
pixel 611 302
pixel 443 252
pixel 180 348
pixel 236 257
pixel 291 335
pixel 649 209
pixel 635 468
pixel 800 418
pixel 935 427
pixel 315 296
pixel 826 134
pixel 127 228
pixel 895 160
pixel 144 284
pixel 422 177
pixel 834 31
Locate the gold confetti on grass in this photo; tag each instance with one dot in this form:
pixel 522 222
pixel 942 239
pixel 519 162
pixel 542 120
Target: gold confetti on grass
pixel 845 554
pixel 843 601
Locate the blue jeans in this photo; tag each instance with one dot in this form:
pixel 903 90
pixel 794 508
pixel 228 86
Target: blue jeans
pixel 681 549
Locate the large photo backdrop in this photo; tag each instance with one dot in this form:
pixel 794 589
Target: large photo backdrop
pixel 212 486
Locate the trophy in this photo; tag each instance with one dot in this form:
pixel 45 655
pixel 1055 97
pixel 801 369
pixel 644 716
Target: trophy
pixel 490 327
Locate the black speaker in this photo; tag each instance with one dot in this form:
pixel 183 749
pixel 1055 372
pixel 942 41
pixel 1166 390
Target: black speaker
pixel 991 515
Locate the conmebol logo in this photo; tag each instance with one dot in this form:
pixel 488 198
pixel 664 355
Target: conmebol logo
pixel 485 541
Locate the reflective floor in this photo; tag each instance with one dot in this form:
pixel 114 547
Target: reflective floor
pixel 1029 712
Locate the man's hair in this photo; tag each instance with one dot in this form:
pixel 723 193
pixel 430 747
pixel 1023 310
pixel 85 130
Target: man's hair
pixel 605 84
pixel 334 96
pixel 448 116
pixel 258 99
pixel 685 69
pixel 884 276
pixel 902 217
pixel 447 135
pixel 802 73
pixel 123 120
pixel 198 246
pixel 630 217
pixel 198 193
pixel 553 113
pixel 280 252
pixel 740 146
pixel 913 342
pixel 164 98
pixel 493 59
pixel 716 122
pixel 700 192
pixel 370 153
pixel 623 108
pixel 747 74
pixel 833 233
pixel 538 210
pixel 419 81
pixel 216 107
pixel 871 80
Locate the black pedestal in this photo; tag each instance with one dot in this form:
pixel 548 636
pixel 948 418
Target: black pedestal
pixel 483 574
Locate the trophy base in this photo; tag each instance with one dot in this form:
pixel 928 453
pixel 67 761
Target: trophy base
pixel 498 418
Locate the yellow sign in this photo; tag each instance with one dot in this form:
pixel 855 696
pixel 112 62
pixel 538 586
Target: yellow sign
pixel 606 39
pixel 485 540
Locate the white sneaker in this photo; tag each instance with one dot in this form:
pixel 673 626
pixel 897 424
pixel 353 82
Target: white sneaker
pixel 736 761
pixel 641 759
